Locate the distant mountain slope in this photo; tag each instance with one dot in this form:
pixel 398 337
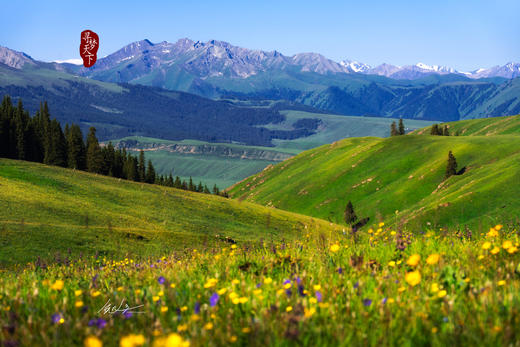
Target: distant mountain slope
pixel 45 210
pixel 126 109
pixel 404 174
pixel 218 69
pixel 480 127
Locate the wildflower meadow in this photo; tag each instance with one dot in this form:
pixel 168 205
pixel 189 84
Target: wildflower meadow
pixel 377 287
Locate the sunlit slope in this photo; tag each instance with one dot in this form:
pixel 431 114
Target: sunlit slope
pixel 44 210
pixel 404 174
pixel 509 125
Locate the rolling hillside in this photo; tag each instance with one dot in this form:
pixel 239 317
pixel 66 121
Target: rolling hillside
pixel 480 127
pixel 403 174
pixel 45 210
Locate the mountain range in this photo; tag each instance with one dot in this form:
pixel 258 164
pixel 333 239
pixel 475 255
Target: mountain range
pixel 218 58
pixel 219 70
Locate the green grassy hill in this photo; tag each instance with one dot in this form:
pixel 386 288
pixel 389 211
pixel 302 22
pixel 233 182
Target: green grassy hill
pixel 480 127
pixel 224 164
pixel 404 174
pixel 44 210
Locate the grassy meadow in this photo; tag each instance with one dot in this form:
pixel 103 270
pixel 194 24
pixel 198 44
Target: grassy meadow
pixel 373 288
pixel 45 210
pixel 399 180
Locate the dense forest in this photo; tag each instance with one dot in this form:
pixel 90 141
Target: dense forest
pixel 42 139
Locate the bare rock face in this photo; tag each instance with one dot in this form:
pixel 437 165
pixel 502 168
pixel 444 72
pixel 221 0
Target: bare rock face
pixel 14 59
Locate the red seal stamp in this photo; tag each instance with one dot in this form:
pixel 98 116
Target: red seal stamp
pixel 88 47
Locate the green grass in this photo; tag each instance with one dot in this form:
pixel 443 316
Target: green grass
pixel 398 180
pixel 45 210
pixel 508 125
pixel 222 167
pixel 322 290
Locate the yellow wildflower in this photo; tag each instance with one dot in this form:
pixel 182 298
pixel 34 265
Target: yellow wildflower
pixel 434 288
pixel 288 309
pixel 268 280
pixel 432 259
pixel 79 303
pixel 317 287
pixel 246 330
pixel 211 283
pixel 414 260
pixel 486 245
pixel 92 341
pixel 501 283
pixel 413 278
pixel 78 292
pixel 58 285
pixel 442 294
pixel 222 291
pixel 334 248
pixel 132 340
pixel 208 326
pixel 495 250
pixel 507 244
pixel 391 263
pixel 493 232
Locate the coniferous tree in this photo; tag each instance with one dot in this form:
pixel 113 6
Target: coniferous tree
pixel 206 190
pixel 434 130
pixel 21 122
pixel 170 183
pixel 446 131
pixel 350 214
pixel 56 151
pixel 200 188
pixel 5 129
pixel 191 186
pixel 401 129
pixel 76 148
pixel 141 167
pixel 108 159
pixel 150 173
pixel 178 183
pixel 393 129
pixel 94 154
pixel 215 190
pixel 451 168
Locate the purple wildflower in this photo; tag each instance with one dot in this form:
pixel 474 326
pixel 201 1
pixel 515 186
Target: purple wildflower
pixel 298 280
pixel 101 323
pixel 286 281
pixel 258 285
pixel 356 285
pixel 367 302
pixel 288 292
pixel 319 296
pixel 197 308
pixel 161 280
pixel 213 300
pixel 56 318
pixel 128 314
pixel 384 301
pixel 301 289
pixel 340 270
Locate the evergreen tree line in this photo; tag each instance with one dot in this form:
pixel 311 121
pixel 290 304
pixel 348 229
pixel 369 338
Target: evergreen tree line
pixel 439 130
pixel 397 130
pixel 40 139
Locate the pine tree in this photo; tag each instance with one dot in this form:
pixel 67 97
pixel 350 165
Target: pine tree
pixel 200 188
pixel 108 159
pixel 446 131
pixel 150 173
pixel 434 130
pixel 76 148
pixel 56 151
pixel 21 120
pixel 350 215
pixel 393 129
pixel 401 127
pixel 215 189
pixel 451 168
pixel 169 182
pixel 94 155
pixel 191 186
pixel 178 183
pixel 141 167
pixel 206 190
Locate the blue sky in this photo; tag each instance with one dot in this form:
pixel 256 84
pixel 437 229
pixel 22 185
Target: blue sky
pixel 464 34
